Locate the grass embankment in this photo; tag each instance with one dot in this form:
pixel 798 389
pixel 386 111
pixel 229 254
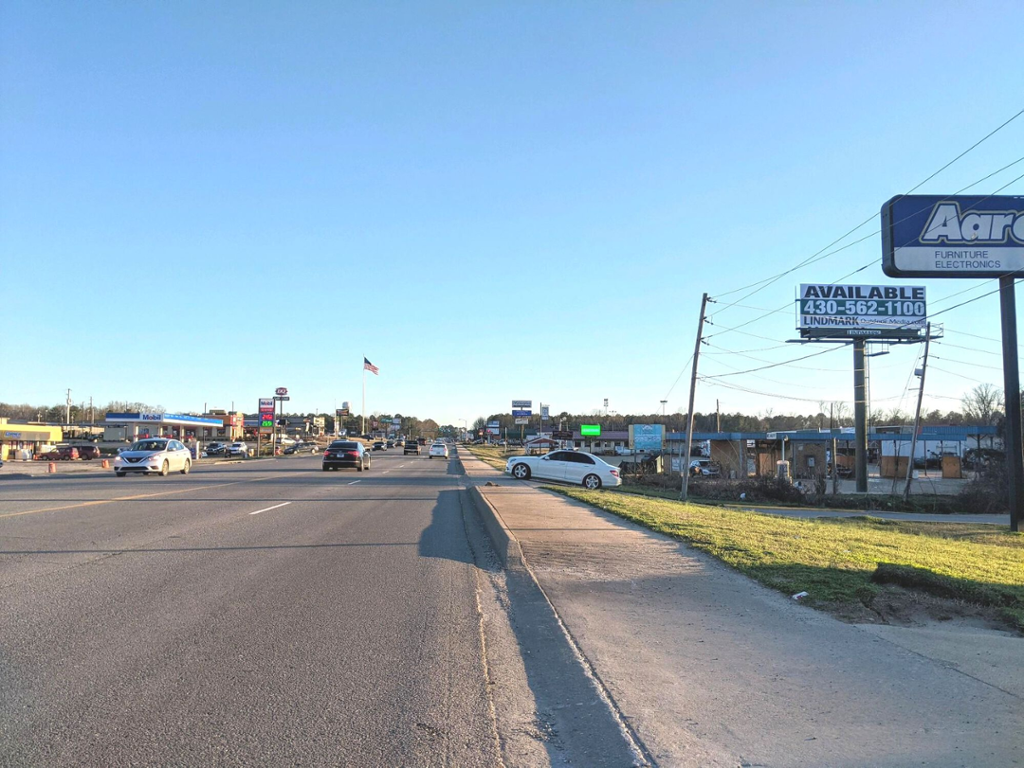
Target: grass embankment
pixel 842 561
pixel 491 454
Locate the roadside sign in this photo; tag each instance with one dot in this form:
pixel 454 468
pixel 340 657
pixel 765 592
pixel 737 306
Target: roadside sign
pixel 266 412
pixel 561 434
pixel 855 311
pixel 521 414
pixel 281 391
pixel 544 411
pixel 522 420
pixel 953 236
pixel 522 403
pixel 590 430
pixel 647 437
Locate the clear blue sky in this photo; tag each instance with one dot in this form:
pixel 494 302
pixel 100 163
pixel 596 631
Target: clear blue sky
pixel 202 201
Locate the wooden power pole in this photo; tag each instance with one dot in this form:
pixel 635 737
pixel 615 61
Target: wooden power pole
pixel 917 415
pixel 693 388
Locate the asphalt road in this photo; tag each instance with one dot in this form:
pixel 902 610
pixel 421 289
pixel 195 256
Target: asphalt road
pixel 263 613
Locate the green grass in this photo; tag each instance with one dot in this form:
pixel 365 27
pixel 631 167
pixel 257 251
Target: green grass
pixel 841 560
pixel 490 454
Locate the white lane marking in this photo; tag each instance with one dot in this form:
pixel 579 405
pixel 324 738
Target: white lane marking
pixel 270 508
pixel 355 481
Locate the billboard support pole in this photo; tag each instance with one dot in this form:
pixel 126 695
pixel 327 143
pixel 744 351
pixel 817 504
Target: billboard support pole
pixel 860 414
pixel 693 387
pixel 917 415
pixel 1011 388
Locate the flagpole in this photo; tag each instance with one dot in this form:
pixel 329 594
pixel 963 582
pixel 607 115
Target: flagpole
pixel 364 396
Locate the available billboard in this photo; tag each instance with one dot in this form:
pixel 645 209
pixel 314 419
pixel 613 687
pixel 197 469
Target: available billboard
pixel 825 309
pixel 953 236
pixel 647 437
pixel 590 430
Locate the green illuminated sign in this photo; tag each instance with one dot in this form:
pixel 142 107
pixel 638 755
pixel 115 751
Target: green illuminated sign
pixel 590 430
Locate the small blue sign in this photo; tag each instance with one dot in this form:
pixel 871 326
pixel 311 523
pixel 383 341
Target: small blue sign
pixel 521 414
pixel 952 236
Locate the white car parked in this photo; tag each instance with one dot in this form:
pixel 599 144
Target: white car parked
pixel 574 467
pixel 438 449
pixel 154 456
pixel 238 449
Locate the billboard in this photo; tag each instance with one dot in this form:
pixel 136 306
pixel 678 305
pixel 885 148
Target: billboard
pixel 590 430
pixel 647 437
pixel 521 414
pixel 522 403
pixel 522 420
pixel 885 311
pixel 952 236
pixel 544 412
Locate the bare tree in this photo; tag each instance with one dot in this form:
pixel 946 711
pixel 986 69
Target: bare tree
pixel 983 404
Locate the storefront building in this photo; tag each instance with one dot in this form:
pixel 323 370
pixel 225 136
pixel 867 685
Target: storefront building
pixel 19 442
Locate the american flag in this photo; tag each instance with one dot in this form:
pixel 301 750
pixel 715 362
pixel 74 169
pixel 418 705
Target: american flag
pixel 368 366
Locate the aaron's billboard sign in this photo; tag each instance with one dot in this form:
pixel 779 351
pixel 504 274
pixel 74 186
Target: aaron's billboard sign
pixel 956 236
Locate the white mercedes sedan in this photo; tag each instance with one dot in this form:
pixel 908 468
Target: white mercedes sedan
pixel 159 456
pixel 574 467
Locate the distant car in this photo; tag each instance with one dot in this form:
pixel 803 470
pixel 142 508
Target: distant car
pixel 704 468
pixel 61 453
pixel 380 445
pixel 302 448
pixel 574 467
pixel 438 449
pixel 154 456
pixel 399 443
pixel 421 440
pixel 621 450
pixel 238 449
pixel 411 446
pixel 215 449
pixel 345 453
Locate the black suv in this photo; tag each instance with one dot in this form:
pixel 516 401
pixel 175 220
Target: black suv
pixel 345 453
pixel 411 446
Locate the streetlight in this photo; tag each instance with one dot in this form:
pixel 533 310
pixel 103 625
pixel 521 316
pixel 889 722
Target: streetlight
pixel 663 402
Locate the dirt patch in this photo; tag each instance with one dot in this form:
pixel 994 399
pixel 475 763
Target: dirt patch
pixel 906 608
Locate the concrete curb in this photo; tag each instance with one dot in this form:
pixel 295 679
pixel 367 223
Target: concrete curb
pixel 505 543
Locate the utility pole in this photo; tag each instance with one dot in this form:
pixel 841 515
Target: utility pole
pixel 860 414
pixel 917 415
pixel 718 416
pixel 1011 395
pixel 835 448
pixel 693 388
pixel 67 409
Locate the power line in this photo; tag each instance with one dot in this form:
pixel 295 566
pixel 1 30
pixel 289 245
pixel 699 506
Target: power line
pixel 776 365
pixel 768 281
pixel 817 258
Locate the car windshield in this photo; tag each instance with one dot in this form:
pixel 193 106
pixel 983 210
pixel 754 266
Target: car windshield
pixel 150 445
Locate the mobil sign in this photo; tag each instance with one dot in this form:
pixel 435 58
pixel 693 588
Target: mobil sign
pixel 952 236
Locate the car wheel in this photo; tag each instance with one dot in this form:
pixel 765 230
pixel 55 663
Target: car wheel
pixel 521 471
pixel 119 474
pixel 591 482
pixel 360 467
pixel 165 469
pixel 325 468
pixel 185 469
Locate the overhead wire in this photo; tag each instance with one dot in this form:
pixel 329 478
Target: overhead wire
pixel 764 283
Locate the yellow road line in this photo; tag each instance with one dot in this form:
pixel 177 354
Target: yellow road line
pixel 131 498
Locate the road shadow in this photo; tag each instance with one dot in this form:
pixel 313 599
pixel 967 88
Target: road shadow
pixel 445 537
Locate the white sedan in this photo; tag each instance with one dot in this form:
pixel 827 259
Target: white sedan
pixel 574 467
pixel 438 449
pixel 154 456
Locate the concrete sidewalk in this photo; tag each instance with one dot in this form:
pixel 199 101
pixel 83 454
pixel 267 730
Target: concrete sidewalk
pixel 710 669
